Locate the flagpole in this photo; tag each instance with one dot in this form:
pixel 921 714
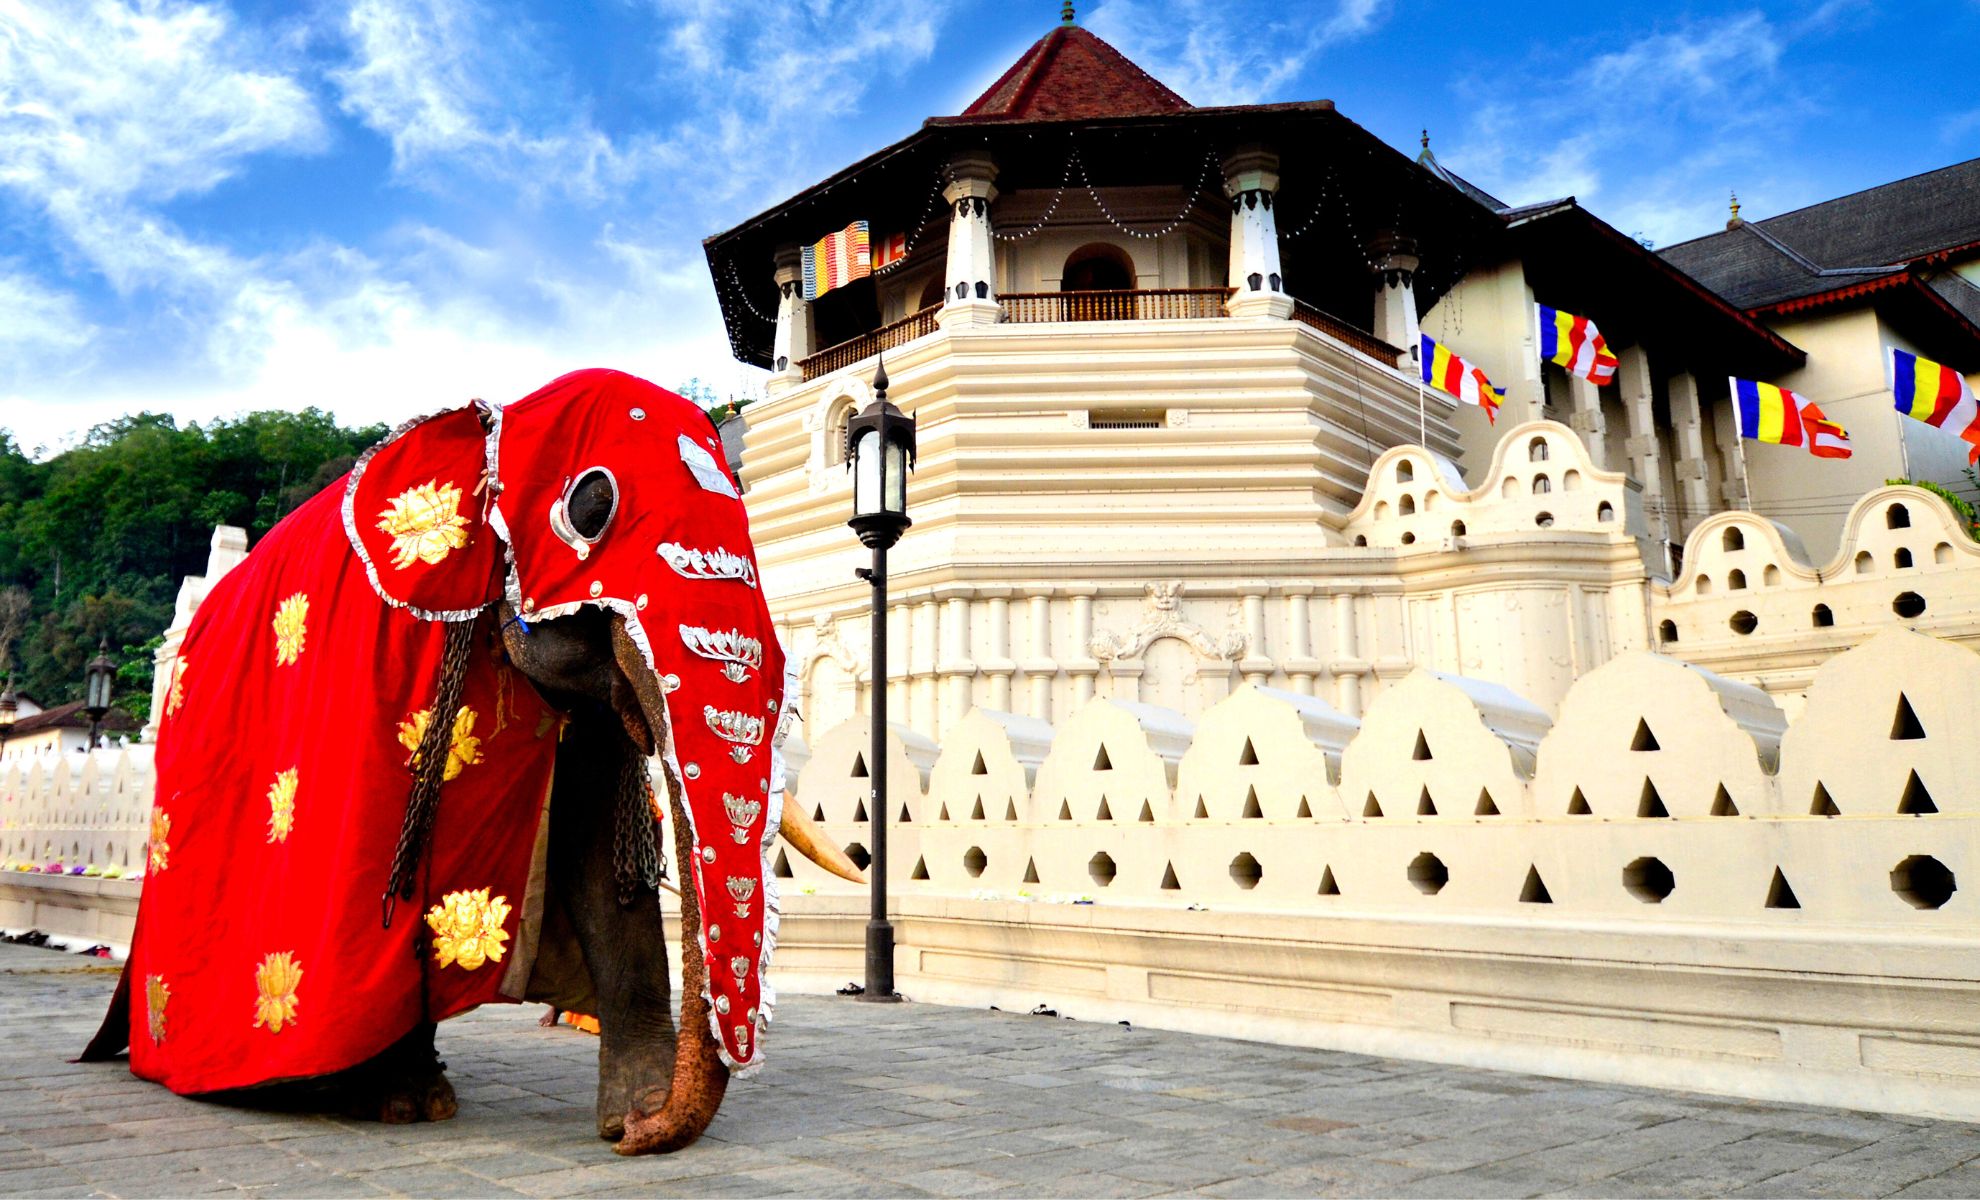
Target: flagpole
pixel 1904 447
pixel 1422 428
pixel 1745 480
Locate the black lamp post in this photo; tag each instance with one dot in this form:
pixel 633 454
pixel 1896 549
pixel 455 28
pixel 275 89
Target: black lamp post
pixel 10 710
pixel 97 678
pixel 880 453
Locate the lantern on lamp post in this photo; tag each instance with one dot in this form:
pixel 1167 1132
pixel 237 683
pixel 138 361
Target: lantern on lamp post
pixel 98 677
pixel 880 453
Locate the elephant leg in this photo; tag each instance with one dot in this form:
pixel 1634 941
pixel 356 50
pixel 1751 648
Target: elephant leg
pixel 624 948
pixel 404 1083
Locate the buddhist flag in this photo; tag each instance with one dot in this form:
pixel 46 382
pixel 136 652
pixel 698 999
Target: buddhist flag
pixel 836 259
pixel 1448 373
pixel 1576 345
pixel 889 250
pixel 1937 395
pixel 1774 414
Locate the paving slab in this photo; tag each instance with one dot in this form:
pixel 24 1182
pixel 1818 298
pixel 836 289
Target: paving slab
pixel 918 1100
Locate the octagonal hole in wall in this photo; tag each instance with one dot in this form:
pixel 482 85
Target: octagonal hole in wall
pixel 1908 605
pixel 974 860
pixel 859 856
pixel 1923 881
pixel 1901 559
pixel 1649 880
pixel 1428 874
pixel 1821 617
pixel 1245 871
pixel 1545 520
pixel 1743 622
pixel 1101 868
pixel 1408 539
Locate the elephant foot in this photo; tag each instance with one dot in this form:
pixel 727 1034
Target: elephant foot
pixel 429 1097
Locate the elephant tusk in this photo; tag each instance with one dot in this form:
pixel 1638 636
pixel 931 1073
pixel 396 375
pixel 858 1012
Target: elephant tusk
pixel 807 839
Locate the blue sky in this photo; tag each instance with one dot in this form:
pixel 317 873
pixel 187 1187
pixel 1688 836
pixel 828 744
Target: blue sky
pixel 386 206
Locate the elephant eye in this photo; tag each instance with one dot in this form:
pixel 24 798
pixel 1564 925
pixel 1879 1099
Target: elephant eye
pixel 585 511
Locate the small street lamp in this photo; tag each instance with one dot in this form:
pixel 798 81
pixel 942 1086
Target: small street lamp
pixel 97 678
pixel 880 453
pixel 10 710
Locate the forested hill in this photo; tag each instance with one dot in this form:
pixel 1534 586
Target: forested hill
pixel 94 541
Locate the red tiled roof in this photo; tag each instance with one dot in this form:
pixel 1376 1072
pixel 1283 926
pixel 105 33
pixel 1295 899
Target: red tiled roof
pixel 72 716
pixel 1070 75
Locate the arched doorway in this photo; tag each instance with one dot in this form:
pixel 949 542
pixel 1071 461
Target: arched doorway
pixel 1091 272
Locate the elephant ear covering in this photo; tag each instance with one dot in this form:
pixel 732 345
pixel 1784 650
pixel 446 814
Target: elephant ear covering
pixel 675 561
pixel 304 685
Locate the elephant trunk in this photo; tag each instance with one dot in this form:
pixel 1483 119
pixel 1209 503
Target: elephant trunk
pixel 666 1120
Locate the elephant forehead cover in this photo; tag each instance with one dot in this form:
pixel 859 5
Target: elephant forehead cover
pixel 260 952
pixel 677 563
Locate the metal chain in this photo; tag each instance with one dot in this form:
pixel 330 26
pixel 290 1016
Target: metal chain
pixel 429 765
pixel 637 860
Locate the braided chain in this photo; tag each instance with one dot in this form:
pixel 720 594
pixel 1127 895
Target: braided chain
pixel 637 861
pixel 429 766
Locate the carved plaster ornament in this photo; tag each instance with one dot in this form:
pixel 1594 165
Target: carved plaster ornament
pixel 1162 617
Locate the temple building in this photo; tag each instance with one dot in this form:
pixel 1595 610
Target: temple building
pixel 1164 364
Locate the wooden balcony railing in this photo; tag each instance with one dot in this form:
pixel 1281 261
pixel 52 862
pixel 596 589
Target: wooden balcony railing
pixel 1341 331
pixel 867 345
pixel 1154 304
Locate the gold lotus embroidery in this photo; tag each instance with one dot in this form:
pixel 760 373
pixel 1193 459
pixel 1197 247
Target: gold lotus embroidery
pixel 291 621
pixel 178 696
pixel 275 980
pixel 463 752
pixel 156 993
pixel 161 830
pixel 282 806
pixel 467 928
pixel 425 524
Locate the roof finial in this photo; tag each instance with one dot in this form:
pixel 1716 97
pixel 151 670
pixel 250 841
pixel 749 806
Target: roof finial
pixel 1733 222
pixel 1426 139
pixel 1066 13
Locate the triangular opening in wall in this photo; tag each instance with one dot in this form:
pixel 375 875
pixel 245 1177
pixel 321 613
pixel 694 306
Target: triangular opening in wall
pixel 905 818
pixel 1644 739
pixel 783 868
pixel 1147 813
pixel 977 768
pixel 1169 881
pixel 1486 808
pixel 1822 805
pixel 859 766
pixel 944 814
pixel 1534 891
pixel 1065 810
pixel 1251 809
pixel 1425 806
pixel 818 813
pixel 1031 870
pixel 1578 805
pixel 920 869
pixel 1103 813
pixel 976 814
pixel 1250 756
pixel 1650 804
pixel 859 811
pixel 1916 801
pixel 1101 762
pixel 1373 808
pixel 1202 813
pixel 1422 751
pixel 1905 726
pixel 1010 810
pixel 1305 812
pixel 1722 804
pixel 1327 885
pixel 1779 894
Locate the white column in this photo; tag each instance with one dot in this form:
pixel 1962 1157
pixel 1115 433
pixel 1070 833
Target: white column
pixel 971 279
pixel 1257 665
pixel 1645 456
pixel 1394 261
pixel 997 662
pixel 1693 474
pixel 1041 668
pixel 955 667
pixel 792 344
pixel 1347 666
pixel 1251 181
pixel 1082 666
pixel 922 684
pixel 1300 667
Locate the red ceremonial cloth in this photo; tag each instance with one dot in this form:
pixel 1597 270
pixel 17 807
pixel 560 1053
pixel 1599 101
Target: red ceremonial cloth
pixel 307 676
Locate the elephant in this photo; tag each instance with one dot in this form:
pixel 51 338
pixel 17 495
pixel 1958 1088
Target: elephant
pixel 402 772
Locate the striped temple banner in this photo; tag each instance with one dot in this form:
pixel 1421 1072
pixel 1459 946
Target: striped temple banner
pixel 837 259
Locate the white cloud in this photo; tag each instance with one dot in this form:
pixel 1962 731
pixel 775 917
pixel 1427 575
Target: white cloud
pixel 1212 54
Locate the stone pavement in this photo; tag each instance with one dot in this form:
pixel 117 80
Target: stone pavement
pixel 917 1100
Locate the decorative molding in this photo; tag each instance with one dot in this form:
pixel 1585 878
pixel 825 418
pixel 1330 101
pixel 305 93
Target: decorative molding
pixel 1163 619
